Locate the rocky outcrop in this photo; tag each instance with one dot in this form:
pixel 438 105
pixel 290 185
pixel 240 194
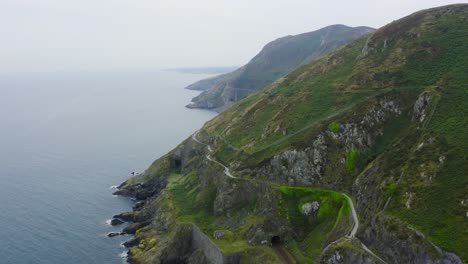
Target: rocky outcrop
pixel 310 208
pixel 420 106
pixel 298 166
pixel 398 243
pixel 306 166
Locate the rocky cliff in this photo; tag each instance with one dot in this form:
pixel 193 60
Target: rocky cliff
pixel 357 157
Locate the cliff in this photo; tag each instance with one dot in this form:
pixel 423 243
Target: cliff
pixel 359 156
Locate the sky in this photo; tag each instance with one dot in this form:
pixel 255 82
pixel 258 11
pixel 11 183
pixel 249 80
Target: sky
pixel 103 35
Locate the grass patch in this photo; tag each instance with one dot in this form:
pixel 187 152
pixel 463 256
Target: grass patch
pixel 334 127
pixel 351 158
pixel 313 231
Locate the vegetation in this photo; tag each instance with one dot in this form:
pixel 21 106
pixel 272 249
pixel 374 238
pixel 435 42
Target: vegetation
pixel 194 205
pixel 334 127
pixel 316 228
pixel 351 160
pixel 422 165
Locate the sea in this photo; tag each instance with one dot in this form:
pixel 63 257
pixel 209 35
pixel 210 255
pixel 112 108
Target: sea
pixel 65 140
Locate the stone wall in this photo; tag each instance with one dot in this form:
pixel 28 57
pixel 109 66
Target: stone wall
pixel 202 242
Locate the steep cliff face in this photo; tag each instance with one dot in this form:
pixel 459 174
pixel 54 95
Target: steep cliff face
pixel 381 120
pixel 275 60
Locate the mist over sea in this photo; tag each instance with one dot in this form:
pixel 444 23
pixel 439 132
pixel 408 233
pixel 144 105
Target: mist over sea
pixel 65 138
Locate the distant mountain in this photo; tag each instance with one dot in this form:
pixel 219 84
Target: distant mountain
pixel 204 70
pixel 275 60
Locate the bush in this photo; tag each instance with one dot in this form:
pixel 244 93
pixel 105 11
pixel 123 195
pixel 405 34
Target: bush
pixel 152 243
pixel 390 189
pixel 351 160
pixel 142 244
pixel 334 127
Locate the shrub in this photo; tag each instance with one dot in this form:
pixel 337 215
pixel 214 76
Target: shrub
pixel 351 160
pixel 152 243
pixel 334 127
pixel 142 244
pixel 390 189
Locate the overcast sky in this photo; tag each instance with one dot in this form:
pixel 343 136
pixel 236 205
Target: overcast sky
pixel 66 35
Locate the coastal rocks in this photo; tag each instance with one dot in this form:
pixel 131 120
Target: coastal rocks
pixel 310 208
pixel 114 234
pixel 132 242
pixel 132 228
pixel 116 221
pixel 127 217
pixel 142 191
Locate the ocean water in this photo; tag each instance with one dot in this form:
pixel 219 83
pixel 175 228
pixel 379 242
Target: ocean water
pixel 65 138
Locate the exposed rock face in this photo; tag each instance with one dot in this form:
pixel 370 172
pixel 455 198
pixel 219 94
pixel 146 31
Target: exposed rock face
pixel 361 133
pixel 306 167
pixel 399 244
pixel 141 191
pixel 298 167
pixel 419 109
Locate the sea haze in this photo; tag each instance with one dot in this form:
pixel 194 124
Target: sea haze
pixel 64 140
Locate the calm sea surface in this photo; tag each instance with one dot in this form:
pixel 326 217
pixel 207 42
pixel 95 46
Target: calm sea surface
pixel 64 140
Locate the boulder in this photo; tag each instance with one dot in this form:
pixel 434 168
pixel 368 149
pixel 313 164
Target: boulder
pixel 116 221
pixel 219 234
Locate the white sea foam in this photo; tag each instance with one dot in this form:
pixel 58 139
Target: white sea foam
pixel 114 187
pixel 124 254
pixel 108 221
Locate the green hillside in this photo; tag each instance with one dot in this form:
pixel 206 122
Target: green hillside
pixel 381 120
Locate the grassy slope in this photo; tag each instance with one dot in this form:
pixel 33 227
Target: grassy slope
pixel 425 51
pixel 420 52
pixel 437 209
pixel 314 231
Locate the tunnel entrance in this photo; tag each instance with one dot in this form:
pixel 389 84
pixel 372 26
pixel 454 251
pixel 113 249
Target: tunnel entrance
pixel 276 241
pixel 177 163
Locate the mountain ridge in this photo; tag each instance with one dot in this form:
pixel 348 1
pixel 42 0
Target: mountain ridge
pixel 276 58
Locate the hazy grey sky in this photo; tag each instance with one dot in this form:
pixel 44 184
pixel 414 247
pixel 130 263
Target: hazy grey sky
pixel 56 35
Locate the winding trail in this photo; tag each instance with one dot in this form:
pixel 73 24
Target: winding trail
pixel 351 235
pixel 353 231
pixel 227 171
